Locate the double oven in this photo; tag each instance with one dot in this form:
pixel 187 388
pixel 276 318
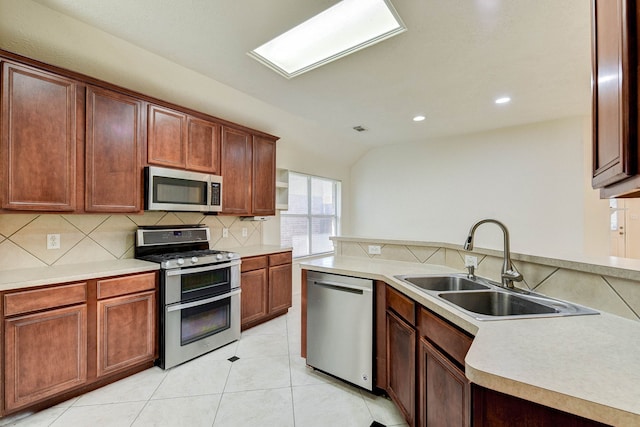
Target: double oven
pixel 199 291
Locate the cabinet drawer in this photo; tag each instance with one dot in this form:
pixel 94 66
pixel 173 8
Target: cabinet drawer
pixel 280 258
pixel 401 305
pixel 253 263
pixel 126 285
pixel 42 299
pixel 450 339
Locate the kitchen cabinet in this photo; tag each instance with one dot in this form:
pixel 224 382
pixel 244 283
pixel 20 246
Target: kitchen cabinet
pixel 42 116
pixel 113 142
pixel 166 137
pixel 236 163
pixel 45 343
pixel 401 353
pixel 444 392
pixel 203 146
pixel 263 191
pixel 616 157
pixel 248 168
pixel 265 281
pixel 179 140
pixel 63 340
pixel 126 322
pixel 494 409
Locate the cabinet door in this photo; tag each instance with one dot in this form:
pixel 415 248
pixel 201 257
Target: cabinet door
pixel 444 390
pixel 203 146
pixel 615 137
pixel 264 176
pixel 401 365
pixel 254 299
pixel 45 354
pixel 113 140
pixel 280 288
pixel 126 331
pixel 166 137
pixel 38 140
pixel 236 172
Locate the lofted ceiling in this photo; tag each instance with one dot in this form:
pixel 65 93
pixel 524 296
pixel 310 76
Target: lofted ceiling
pixel 455 59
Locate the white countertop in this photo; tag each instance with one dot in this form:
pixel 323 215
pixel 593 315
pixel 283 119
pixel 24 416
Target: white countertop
pixel 585 365
pixel 39 276
pixel 247 251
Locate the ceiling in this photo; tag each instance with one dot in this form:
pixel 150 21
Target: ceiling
pixel 454 60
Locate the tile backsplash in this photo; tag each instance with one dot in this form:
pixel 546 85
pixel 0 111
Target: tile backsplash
pixel 86 238
pixel 606 293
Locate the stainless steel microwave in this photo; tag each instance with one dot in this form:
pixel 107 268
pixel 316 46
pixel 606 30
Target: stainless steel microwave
pixel 177 190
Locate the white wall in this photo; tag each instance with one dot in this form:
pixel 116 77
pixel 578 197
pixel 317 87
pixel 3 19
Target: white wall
pixel 530 177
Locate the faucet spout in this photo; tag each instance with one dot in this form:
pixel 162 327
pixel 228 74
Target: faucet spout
pixel 509 273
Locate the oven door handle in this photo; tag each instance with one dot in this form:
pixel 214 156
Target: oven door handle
pixel 202 302
pixel 181 271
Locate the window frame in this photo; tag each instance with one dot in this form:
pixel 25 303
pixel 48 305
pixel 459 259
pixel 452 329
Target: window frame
pixel 337 196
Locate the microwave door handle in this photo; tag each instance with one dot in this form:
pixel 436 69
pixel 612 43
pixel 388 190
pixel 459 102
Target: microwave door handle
pixel 202 302
pixel 182 271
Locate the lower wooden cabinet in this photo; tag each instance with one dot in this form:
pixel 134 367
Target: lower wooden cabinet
pixel 126 331
pixel 66 339
pixel 45 354
pixel 401 365
pixel 445 392
pixel 265 281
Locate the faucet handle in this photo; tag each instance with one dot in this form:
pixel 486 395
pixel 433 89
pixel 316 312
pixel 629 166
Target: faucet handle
pixel 471 269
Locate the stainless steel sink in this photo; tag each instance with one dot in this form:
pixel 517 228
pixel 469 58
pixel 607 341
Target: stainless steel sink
pixel 496 303
pixel 486 300
pixel 453 282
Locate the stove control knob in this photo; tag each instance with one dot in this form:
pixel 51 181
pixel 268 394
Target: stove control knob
pixel 194 260
pixel 230 255
pixel 219 256
pixel 180 261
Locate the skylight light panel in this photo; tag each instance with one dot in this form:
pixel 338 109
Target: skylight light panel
pixel 344 28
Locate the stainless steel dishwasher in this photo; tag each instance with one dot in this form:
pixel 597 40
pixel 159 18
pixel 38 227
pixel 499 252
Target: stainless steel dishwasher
pixel 340 326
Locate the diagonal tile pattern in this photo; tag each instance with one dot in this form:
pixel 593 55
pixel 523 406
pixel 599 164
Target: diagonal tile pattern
pixel 88 238
pixel 269 385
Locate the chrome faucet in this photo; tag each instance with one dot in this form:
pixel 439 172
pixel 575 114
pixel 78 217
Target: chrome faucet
pixel 509 273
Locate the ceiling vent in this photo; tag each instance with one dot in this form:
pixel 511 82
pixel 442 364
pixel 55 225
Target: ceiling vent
pixel 359 129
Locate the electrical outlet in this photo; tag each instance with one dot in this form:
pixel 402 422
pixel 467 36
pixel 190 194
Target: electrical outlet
pixel 470 261
pixel 225 232
pixel 244 232
pixel 53 241
pixel 374 250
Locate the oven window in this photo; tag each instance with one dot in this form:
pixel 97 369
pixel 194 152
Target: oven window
pixel 205 283
pixel 204 320
pixel 183 191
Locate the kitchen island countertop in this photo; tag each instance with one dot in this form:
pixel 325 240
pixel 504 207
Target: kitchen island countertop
pixel 585 365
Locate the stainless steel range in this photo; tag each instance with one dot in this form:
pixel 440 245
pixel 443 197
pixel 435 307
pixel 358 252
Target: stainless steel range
pixel 199 291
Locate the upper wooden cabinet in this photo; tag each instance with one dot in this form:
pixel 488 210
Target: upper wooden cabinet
pixel 39 139
pixel 263 200
pixel 71 143
pixel 249 173
pixel 203 146
pixel 615 98
pixel 113 144
pixel 166 137
pixel 182 141
pixel 236 161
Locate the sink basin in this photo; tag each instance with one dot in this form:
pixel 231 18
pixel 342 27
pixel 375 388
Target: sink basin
pixel 443 283
pixel 495 303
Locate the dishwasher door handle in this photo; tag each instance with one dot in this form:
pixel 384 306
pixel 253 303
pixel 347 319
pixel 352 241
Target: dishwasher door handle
pixel 343 287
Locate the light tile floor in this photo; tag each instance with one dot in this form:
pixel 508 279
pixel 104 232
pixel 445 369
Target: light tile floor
pixel 269 386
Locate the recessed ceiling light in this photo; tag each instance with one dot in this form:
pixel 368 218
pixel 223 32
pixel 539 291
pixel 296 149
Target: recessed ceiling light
pixel 344 28
pixel 419 118
pixel 503 100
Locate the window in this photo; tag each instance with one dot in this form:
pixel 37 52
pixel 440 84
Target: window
pixel 313 215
